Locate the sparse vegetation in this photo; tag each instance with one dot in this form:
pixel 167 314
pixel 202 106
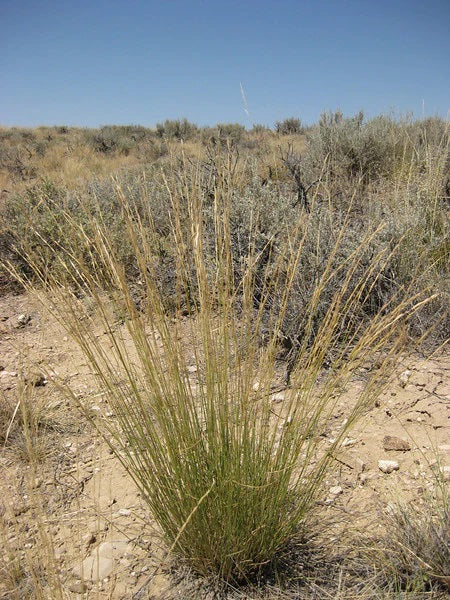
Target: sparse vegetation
pixel 228 481
pixel 178 130
pixel 382 171
pixel 291 125
pixel 221 266
pixel 414 555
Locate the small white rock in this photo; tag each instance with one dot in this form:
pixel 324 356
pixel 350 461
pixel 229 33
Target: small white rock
pixel 387 466
pixel 124 512
pixel 404 377
pixel 277 398
pixel 23 319
pixel 349 441
pixel 336 490
pixel 94 568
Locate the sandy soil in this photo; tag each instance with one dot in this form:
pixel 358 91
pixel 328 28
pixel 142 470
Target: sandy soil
pixel 92 513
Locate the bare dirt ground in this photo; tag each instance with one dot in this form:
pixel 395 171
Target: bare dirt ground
pixel 78 505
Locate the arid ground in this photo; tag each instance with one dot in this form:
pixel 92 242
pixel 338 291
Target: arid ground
pixel 75 498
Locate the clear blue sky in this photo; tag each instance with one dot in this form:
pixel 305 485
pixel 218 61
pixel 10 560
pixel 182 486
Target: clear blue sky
pixel 95 62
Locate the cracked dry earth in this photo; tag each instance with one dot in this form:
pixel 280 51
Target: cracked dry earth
pixel 79 505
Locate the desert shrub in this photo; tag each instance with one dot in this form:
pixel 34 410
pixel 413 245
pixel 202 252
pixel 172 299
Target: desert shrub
pixel 16 161
pixel 223 134
pixel 176 129
pixel 353 149
pixel 207 134
pixel 62 129
pixel 40 204
pixel 112 139
pixel 15 135
pixel 428 132
pixel 230 131
pixel 135 133
pixel 271 215
pixel 288 126
pixel 150 150
pixel 109 140
pixel 42 214
pixel 19 151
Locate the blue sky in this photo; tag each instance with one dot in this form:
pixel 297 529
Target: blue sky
pixel 95 62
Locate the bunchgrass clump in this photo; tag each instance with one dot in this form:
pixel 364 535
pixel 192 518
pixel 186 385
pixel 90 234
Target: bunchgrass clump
pixel 229 476
pixel 25 420
pixel 417 556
